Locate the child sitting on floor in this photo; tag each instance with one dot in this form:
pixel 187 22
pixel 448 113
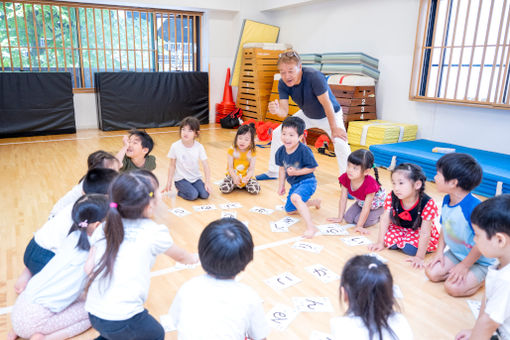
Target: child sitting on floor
pixel 215 306
pixel 185 157
pixel 241 163
pixel 408 220
pixel 97 159
pixel 491 223
pixel 368 192
pixel 297 164
pixel 135 152
pixel 462 266
pixel 50 307
pixel 366 287
pixel 48 239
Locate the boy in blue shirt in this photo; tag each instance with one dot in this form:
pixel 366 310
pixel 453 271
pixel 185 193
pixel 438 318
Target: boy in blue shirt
pixel 462 266
pixel 297 164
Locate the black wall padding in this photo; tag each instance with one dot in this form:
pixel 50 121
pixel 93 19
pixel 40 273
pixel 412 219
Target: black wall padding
pixel 36 103
pixel 127 100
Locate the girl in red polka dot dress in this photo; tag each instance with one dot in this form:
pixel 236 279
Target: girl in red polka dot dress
pixel 408 220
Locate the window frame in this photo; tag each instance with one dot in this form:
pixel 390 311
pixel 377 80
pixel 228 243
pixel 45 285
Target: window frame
pixel 160 55
pixel 498 92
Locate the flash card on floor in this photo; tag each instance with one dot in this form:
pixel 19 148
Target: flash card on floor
pixel 397 292
pixel 312 304
pixel 280 316
pixel 263 211
pixel 278 228
pixel 179 212
pixel 379 257
pixel 279 208
pixel 218 182
pixel 229 214
pixel 322 273
pixel 167 322
pixel 180 265
pixel 282 281
pixel 475 307
pixel 316 335
pixel 205 207
pixel 228 206
pixel 356 240
pixel 288 221
pixel 311 247
pixel 332 229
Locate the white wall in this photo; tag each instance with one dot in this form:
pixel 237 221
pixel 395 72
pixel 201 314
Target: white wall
pixel 386 30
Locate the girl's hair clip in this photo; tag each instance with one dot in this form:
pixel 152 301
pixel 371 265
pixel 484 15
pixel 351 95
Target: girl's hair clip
pixel 151 194
pixel 372 265
pixel 83 224
pixel 113 205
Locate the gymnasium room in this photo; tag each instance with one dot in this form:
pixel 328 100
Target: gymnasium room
pixel 237 169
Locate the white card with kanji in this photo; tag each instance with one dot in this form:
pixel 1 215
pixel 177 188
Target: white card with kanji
pixel 205 207
pixel 280 316
pixel 322 273
pixel 332 229
pixel 356 240
pixel 475 307
pixel 230 205
pixel 397 292
pixel 179 212
pixel 312 304
pixel 308 246
pixel 263 211
pixel 282 281
pixel 379 257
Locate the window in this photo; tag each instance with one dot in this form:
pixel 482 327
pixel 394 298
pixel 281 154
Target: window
pixel 462 53
pixel 49 36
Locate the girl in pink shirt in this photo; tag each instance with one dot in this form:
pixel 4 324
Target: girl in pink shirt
pixel 367 191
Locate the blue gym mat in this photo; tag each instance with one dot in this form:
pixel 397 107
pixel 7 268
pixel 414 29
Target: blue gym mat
pixel 496 166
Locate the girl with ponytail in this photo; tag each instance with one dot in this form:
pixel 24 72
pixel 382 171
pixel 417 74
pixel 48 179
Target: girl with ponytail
pixel 366 287
pixel 408 220
pixel 367 191
pixel 119 284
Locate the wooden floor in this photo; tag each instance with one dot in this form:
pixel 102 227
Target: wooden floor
pixel 35 172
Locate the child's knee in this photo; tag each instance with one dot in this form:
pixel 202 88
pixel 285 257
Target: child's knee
pixel 188 195
pixel 433 273
pixel 295 198
pixel 455 290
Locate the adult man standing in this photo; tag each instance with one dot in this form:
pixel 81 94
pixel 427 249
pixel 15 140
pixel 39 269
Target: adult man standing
pixel 318 108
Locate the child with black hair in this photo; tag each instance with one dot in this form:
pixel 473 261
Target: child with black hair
pixel 297 164
pixel 241 162
pixel 409 213
pixel 135 152
pixel 50 306
pixel 186 155
pixel 491 223
pixel 215 306
pixel 367 191
pixel 97 159
pixel 119 283
pixel 462 266
pixel 366 287
pixel 48 239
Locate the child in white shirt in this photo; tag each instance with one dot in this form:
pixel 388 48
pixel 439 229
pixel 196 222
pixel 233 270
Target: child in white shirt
pixel 50 306
pixel 48 239
pixel 366 287
pixel 491 223
pixel 119 284
pixel 185 157
pixel 215 306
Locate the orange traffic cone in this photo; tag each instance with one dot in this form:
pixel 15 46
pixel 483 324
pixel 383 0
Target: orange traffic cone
pixel 227 105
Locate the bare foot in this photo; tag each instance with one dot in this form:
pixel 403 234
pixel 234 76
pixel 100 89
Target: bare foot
pixel 11 335
pixel 310 232
pixel 316 202
pixel 22 281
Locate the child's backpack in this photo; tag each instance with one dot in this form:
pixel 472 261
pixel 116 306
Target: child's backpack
pixel 231 121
